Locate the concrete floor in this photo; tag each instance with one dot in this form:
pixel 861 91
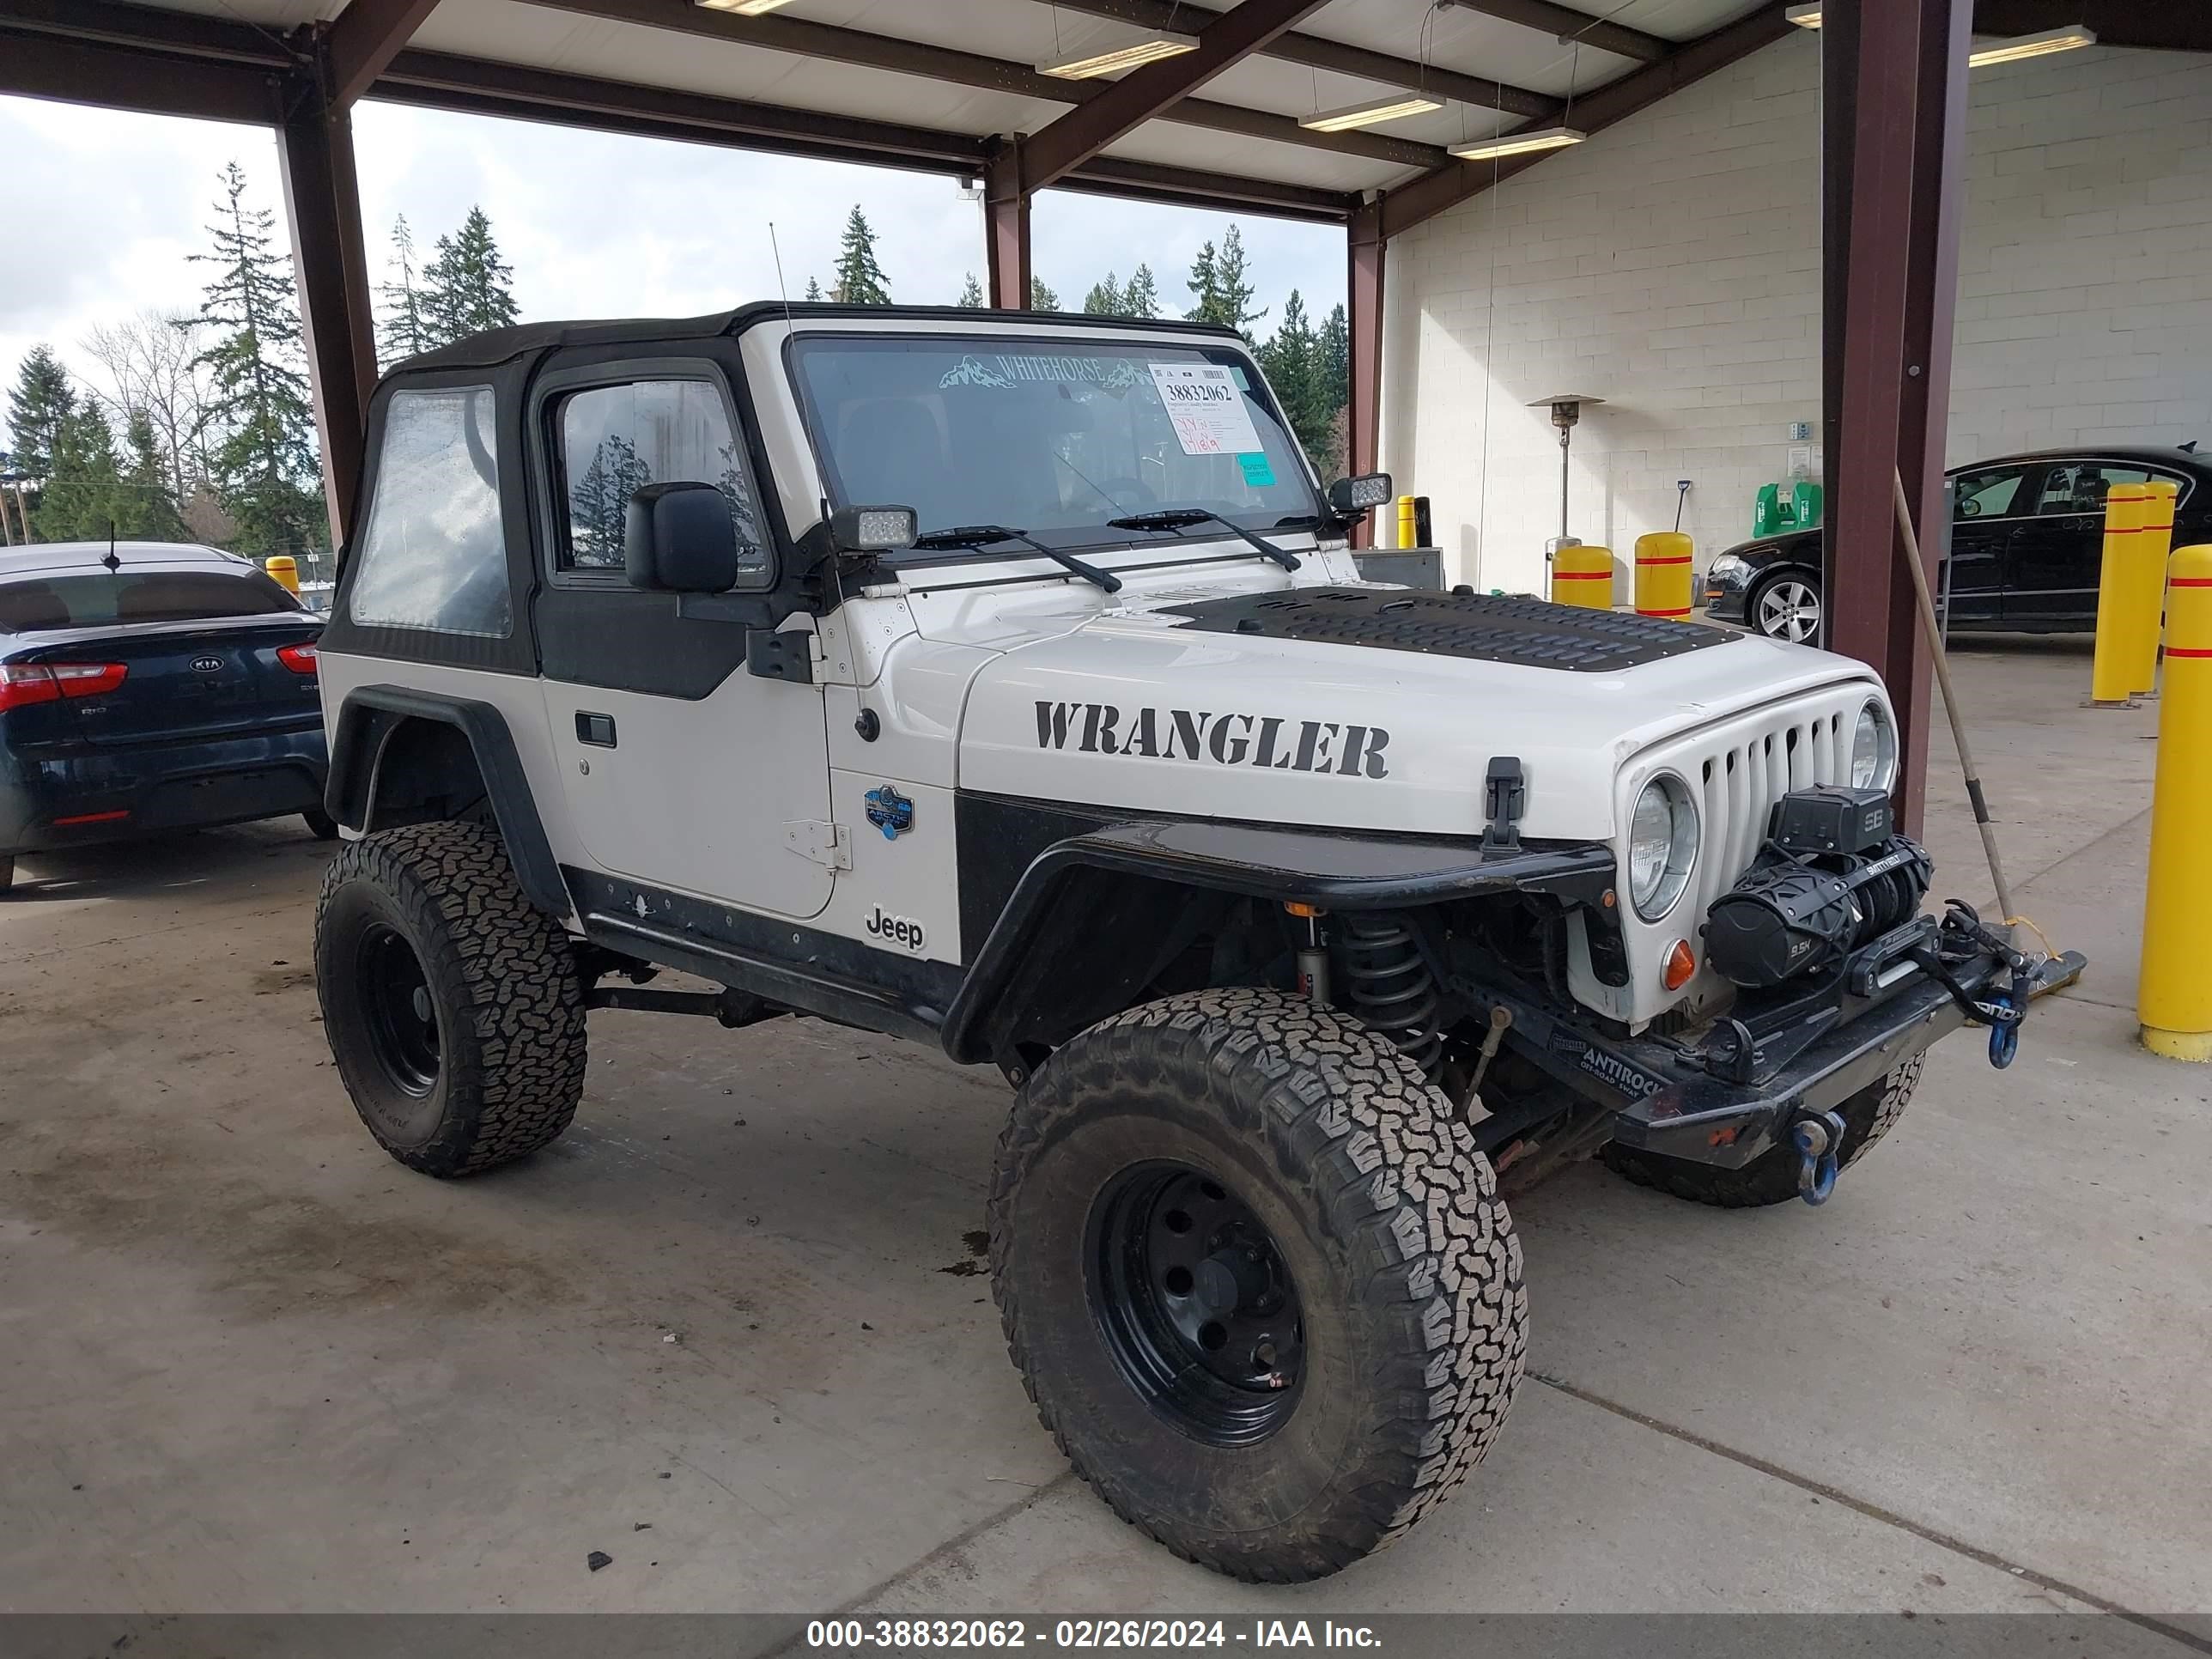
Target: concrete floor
pixel 732 1329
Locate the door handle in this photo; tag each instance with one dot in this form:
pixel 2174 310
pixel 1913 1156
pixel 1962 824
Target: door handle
pixel 598 730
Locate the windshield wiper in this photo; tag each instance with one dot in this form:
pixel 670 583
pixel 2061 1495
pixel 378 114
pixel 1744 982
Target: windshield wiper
pixel 982 534
pixel 1181 517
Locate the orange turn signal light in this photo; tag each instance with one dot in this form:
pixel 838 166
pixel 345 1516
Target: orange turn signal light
pixel 1300 908
pixel 1681 962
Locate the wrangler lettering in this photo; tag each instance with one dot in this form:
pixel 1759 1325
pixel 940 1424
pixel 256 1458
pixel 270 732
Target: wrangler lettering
pixel 1271 741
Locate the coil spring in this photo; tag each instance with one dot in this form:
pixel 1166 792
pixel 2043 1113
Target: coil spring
pixel 1391 987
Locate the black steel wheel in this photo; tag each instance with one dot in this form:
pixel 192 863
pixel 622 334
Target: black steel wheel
pixel 1197 1304
pixel 397 1006
pixel 1256 1277
pixel 454 1008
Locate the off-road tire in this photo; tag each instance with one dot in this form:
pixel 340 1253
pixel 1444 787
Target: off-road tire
pixel 321 824
pixel 503 980
pixel 1405 1260
pixel 1772 1177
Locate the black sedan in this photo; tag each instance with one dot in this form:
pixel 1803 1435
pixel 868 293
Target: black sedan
pixel 2027 539
pixel 146 687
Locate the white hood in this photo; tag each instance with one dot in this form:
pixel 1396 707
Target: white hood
pixel 1130 710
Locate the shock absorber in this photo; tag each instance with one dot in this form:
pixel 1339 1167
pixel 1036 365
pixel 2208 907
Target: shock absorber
pixel 1389 985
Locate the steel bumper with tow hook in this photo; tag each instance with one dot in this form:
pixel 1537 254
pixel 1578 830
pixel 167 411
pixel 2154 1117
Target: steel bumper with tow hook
pixel 1725 1102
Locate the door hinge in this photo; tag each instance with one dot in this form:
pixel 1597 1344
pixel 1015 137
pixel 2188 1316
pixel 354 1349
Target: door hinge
pixel 830 845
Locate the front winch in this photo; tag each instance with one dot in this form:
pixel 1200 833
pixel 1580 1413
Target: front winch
pixel 1833 875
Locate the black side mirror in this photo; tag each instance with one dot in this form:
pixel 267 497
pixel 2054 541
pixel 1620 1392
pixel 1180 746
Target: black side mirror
pixel 680 539
pixel 1350 497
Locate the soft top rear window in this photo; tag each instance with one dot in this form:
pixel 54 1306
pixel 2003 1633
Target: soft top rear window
pixel 1053 436
pixel 39 604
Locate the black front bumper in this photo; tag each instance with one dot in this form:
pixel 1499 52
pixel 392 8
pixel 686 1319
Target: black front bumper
pixel 1676 1099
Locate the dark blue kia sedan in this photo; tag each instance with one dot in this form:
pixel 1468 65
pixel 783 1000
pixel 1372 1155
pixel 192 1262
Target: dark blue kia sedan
pixel 147 686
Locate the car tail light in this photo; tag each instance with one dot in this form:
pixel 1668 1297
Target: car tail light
pixel 299 658
pixel 22 684
pixel 88 679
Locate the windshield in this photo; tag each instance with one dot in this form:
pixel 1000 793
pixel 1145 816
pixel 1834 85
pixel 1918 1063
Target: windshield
pixel 1052 436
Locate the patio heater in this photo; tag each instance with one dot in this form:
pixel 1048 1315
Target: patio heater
pixel 1566 409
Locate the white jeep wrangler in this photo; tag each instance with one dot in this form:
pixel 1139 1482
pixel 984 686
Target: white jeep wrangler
pixel 1005 682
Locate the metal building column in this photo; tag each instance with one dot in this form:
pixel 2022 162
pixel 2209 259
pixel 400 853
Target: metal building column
pixel 1363 316
pixel 1894 80
pixel 1006 227
pixel 322 204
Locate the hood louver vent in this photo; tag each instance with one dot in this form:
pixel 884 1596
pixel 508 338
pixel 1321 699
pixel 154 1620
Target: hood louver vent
pixel 1484 627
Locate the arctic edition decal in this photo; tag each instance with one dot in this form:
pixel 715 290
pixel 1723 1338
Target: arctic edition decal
pixel 1266 740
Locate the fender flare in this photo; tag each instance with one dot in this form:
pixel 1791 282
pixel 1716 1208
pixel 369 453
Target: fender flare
pixel 1335 872
pixel 363 732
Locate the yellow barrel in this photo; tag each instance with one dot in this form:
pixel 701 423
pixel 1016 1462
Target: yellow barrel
pixel 285 569
pixel 1663 575
pixel 1583 575
pixel 2111 670
pixel 2154 534
pixel 1409 534
pixel 2174 1002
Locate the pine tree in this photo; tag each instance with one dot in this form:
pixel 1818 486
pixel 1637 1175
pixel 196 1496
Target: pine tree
pixel 600 501
pixel 971 294
pixel 1104 299
pixel 405 328
pixel 813 288
pixel 42 403
pixel 147 505
pixel 1333 345
pixel 1042 298
pixel 860 278
pixel 259 399
pixel 1218 284
pixel 1141 297
pixel 467 287
pixel 1295 370
pixel 81 501
pixel 1205 287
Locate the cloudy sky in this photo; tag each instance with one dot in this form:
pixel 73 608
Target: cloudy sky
pixel 106 207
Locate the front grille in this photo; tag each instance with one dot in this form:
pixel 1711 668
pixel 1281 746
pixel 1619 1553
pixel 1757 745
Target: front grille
pixel 1749 767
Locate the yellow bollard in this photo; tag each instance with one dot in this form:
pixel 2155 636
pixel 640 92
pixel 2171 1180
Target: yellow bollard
pixel 2174 1002
pixel 284 569
pixel 1584 576
pixel 1663 575
pixel 2111 670
pixel 2154 536
pixel 1409 534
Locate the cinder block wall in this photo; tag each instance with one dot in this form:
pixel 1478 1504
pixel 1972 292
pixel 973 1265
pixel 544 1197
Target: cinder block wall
pixel 1671 265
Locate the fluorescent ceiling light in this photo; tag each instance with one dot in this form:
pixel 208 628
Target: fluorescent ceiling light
pixel 1517 143
pixel 1386 107
pixel 2031 46
pixel 743 8
pixel 1804 17
pixel 1112 60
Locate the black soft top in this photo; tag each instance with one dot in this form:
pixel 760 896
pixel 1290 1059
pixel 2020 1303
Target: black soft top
pixel 500 345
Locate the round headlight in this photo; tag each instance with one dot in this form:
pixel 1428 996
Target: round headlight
pixel 1663 845
pixel 1874 749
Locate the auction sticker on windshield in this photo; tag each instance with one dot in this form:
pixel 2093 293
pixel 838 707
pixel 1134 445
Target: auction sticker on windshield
pixel 1209 413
